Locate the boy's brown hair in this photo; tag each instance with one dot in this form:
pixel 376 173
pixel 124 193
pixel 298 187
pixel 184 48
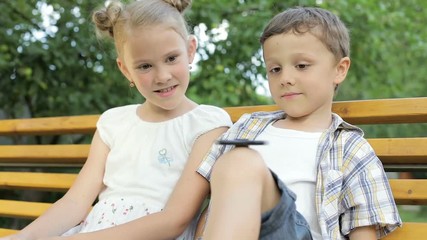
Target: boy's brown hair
pixel 326 26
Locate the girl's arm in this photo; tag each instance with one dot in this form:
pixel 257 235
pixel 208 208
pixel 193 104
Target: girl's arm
pixel 183 205
pixel 71 209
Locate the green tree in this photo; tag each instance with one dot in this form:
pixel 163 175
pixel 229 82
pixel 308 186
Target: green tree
pixel 52 64
pixel 388 48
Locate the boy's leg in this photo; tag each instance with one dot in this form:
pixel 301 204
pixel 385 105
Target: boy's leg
pixel 284 221
pixel 242 187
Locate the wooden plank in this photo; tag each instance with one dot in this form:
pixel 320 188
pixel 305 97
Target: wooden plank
pixel 409 191
pixel 236 112
pixel 389 150
pixel 58 182
pixel 377 111
pixel 5 232
pixel 21 209
pixel 49 125
pixel 400 150
pixel 397 110
pixel 409 231
pixel 405 191
pixel 412 231
pixel 63 153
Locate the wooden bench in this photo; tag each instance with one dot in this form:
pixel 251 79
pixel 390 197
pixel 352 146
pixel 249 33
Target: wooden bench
pixel 397 154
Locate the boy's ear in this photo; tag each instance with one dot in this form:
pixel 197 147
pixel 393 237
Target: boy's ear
pixel 192 47
pixel 342 69
pixel 123 69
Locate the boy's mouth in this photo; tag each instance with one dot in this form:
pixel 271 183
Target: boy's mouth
pixel 290 94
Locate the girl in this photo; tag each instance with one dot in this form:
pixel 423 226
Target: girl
pixel 139 152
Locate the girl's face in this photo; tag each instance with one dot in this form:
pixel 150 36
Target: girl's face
pixel 157 60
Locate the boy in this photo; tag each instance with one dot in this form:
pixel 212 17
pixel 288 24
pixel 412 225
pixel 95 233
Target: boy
pixel 317 177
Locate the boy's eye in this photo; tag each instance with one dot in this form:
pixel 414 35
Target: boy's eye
pixel 302 66
pixel 275 70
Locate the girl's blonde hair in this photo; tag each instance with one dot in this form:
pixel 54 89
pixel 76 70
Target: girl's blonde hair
pixel 118 20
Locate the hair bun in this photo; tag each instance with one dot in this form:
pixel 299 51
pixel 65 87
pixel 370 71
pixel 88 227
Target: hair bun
pixel 106 18
pixel 180 5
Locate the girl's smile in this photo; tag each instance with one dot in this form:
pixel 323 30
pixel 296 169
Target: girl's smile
pixel 166 92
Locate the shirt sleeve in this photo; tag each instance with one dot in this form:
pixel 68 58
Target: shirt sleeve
pixel 367 199
pixel 205 119
pixel 104 129
pixel 217 150
pixel 113 121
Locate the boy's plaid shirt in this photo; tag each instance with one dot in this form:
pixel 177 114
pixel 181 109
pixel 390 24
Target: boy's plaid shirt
pixel 352 189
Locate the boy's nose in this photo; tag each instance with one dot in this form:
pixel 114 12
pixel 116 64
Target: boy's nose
pixel 286 79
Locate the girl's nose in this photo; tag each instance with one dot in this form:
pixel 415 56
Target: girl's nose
pixel 163 75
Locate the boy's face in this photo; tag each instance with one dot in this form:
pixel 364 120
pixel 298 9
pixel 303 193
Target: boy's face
pixel 302 74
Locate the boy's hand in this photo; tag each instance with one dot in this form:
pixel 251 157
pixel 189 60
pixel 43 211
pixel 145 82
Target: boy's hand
pixel 363 233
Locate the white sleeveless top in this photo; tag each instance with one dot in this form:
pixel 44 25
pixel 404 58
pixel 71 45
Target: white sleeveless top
pixel 145 161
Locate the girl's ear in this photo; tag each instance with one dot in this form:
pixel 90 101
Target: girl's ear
pixel 123 69
pixel 342 69
pixel 192 47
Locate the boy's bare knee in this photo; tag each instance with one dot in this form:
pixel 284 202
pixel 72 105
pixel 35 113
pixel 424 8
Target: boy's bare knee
pixel 240 162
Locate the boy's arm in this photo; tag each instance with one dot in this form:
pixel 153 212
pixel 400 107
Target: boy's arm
pixel 368 200
pixel 183 205
pixel 363 233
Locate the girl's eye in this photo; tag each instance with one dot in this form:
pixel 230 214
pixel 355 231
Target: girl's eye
pixel 302 66
pixel 144 66
pixel 171 59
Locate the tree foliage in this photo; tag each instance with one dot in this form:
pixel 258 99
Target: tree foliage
pixel 52 64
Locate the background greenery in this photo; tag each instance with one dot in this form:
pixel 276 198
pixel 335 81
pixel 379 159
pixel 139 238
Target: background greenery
pixel 52 64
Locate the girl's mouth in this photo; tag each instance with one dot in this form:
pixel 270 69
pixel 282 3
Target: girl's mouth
pixel 166 92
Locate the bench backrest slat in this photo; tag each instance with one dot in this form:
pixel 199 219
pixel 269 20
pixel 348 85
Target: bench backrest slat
pixel 389 150
pixel 400 150
pixel 377 111
pixel 21 209
pixel 61 153
pixel 409 110
pixel 380 111
pixel 409 191
pixel 49 125
pixel 405 191
pixel 55 182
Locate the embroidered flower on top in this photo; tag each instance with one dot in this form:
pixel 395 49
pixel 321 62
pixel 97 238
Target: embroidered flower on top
pixel 163 158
